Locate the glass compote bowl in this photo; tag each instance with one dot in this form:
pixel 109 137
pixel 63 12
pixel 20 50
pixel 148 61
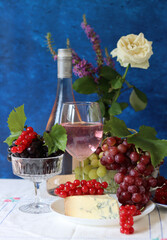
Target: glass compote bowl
pixel 37 170
pixel 83 124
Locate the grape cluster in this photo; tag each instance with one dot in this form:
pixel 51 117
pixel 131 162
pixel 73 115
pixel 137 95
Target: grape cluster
pixel 92 168
pixel 30 145
pixel 82 187
pixel 134 170
pixel 126 214
pixel 161 194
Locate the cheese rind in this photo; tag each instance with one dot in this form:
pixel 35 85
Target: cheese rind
pixel 92 207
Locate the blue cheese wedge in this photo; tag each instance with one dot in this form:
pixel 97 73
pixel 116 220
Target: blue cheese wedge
pixel 92 207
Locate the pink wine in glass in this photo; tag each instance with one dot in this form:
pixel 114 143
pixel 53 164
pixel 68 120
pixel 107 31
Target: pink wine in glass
pixel 83 138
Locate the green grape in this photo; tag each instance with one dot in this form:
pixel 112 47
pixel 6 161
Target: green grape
pixel 101 155
pixel 87 169
pixel 93 174
pixel 101 171
pixel 93 156
pixel 78 170
pixel 100 164
pixel 86 162
pixel 95 163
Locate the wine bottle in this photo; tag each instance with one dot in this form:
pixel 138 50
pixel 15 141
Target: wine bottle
pixel 64 94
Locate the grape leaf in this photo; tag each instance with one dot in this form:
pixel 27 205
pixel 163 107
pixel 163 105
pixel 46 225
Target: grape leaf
pixel 116 127
pixel 115 109
pixel 16 119
pixel 138 99
pixel 56 139
pixel 147 141
pixel 108 73
pixel 12 137
pixel 85 85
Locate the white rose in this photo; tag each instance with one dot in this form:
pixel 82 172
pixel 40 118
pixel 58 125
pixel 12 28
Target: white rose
pixel 134 50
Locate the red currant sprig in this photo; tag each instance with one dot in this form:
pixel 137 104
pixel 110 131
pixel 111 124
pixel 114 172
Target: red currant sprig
pixel 126 214
pixel 24 140
pixel 82 187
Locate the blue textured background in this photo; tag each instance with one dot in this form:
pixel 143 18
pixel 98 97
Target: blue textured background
pixel 28 73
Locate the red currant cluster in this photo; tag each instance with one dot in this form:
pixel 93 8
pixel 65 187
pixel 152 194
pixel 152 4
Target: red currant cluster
pixel 82 187
pixel 161 194
pixel 24 140
pixel 126 214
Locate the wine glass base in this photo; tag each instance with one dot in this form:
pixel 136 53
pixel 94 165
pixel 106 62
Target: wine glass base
pixel 35 208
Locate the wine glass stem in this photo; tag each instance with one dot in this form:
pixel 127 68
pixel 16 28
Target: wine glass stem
pixel 81 165
pixel 37 187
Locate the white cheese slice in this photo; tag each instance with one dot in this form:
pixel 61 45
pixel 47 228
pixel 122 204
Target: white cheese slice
pixel 92 207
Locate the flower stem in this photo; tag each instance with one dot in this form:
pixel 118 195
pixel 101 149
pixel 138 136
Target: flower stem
pixel 125 72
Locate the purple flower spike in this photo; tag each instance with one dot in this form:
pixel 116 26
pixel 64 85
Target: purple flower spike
pixel 95 40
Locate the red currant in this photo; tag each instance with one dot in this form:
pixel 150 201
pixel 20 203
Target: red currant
pixel 92 191
pixel 63 194
pixel 78 191
pixel 104 184
pixel 85 189
pixel 100 191
pixel 77 182
pixel 14 149
pixel 57 191
pixel 61 186
pixel 83 182
pixel 29 129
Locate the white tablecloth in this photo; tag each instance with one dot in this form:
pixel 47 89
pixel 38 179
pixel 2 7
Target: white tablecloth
pixel 15 225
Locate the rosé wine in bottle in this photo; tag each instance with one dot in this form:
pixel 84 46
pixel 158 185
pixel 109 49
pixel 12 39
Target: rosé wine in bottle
pixel 83 138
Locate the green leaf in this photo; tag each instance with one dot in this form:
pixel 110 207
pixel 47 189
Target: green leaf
pixel 116 83
pixel 115 109
pixel 85 85
pixel 108 73
pixel 104 85
pixel 16 119
pixel 123 105
pixel 138 100
pixel 116 127
pixel 12 137
pixel 102 108
pixel 147 141
pixel 56 139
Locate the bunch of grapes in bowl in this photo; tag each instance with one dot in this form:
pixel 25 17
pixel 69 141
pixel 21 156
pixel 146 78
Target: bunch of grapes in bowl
pixel 35 157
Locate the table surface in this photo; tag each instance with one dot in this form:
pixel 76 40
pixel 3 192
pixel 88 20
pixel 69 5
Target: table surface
pixel 48 226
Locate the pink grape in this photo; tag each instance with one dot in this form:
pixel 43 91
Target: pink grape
pixel 119 158
pixel 138 181
pixel 134 156
pixel 110 159
pixel 111 141
pixel 134 173
pixel 126 196
pixel 145 159
pixel 132 189
pixel 124 186
pixel 141 167
pixel 122 148
pixel 105 147
pixel 129 180
pixel 152 182
pixel 136 197
pixel 119 177
pixel 113 150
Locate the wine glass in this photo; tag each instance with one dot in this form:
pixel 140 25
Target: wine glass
pixel 36 170
pixel 83 124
